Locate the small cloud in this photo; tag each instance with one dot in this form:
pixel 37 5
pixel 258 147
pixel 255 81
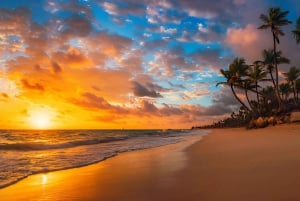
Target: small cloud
pixel 110 8
pixel 35 86
pixel 162 29
pixel 148 107
pixel 142 91
pixel 55 67
pixel 5 95
pixel 201 28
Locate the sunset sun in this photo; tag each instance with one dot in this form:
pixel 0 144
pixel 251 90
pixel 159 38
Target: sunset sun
pixel 40 119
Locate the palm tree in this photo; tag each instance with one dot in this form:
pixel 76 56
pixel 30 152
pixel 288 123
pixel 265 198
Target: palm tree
pixel 274 20
pixel 268 97
pixel 291 76
pixel 237 70
pixel 285 90
pixel 255 75
pixel 296 32
pixel 268 63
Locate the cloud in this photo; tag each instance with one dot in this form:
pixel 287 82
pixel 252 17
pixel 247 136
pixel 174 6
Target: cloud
pixel 73 57
pixel 55 67
pixel 168 110
pixel 77 25
pixel 209 9
pixel 162 29
pixel 248 42
pixel 133 7
pixel 111 8
pixel 140 90
pixel 34 86
pixel 148 107
pixel 211 59
pixel 94 102
pixel 167 63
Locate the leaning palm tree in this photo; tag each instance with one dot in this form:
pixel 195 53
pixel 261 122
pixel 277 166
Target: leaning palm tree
pixel 296 32
pixel 247 85
pixel 291 76
pixel 237 70
pixel 274 20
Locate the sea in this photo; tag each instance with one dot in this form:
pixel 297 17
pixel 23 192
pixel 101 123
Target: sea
pixel 27 152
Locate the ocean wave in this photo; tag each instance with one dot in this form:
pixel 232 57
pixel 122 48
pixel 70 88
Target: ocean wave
pixel 44 146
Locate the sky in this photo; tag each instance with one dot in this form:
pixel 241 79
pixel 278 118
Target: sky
pixel 126 64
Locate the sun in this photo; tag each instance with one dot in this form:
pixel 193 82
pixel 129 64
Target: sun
pixel 40 119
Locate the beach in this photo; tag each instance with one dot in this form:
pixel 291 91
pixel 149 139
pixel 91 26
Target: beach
pixel 227 164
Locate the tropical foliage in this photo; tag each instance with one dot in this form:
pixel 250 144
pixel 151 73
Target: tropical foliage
pixel 258 87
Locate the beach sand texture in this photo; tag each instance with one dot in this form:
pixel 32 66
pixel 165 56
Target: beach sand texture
pixel 228 164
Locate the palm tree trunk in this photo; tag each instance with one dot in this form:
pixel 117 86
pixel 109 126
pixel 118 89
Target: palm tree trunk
pixel 248 100
pixel 257 92
pixel 276 77
pixel 272 78
pixel 294 92
pixel 275 58
pixel 238 99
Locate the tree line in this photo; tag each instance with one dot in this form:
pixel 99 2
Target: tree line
pixel 261 78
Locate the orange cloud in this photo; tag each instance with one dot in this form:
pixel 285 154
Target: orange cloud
pixel 35 86
pixel 73 58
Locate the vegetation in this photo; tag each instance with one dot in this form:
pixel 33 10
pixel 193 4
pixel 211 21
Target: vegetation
pixel 296 32
pixel 270 100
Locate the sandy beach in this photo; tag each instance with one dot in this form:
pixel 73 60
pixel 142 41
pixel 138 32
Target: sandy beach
pixel 227 164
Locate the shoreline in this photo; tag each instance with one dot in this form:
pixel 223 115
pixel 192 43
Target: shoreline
pixel 193 138
pixel 227 164
pixel 15 180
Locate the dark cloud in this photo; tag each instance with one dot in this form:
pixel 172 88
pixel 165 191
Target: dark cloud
pixel 4 95
pixel 94 102
pixel 36 86
pixel 168 110
pixel 225 97
pixel 217 109
pixel 178 86
pixel 140 90
pixel 55 67
pixel 211 58
pixel 148 107
pixel 78 26
pixel 221 9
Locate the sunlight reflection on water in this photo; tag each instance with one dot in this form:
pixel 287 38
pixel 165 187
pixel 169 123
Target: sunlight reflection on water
pixel 44 179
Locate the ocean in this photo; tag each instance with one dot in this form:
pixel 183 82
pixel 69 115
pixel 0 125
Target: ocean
pixel 27 152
